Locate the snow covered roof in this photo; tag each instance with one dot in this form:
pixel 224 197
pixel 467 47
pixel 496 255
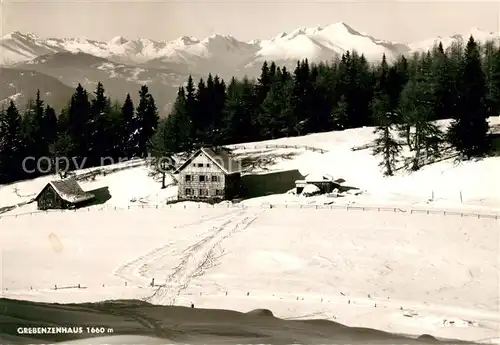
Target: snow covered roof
pixel 318 177
pixel 221 158
pixel 310 189
pixel 69 190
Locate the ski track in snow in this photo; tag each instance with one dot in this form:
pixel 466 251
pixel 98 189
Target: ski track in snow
pixel 134 271
pixel 199 257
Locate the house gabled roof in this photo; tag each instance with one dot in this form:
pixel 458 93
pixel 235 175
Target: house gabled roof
pixel 220 157
pixel 69 190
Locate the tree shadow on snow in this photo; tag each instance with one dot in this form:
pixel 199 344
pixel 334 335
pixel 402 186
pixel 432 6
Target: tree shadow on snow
pixel 262 161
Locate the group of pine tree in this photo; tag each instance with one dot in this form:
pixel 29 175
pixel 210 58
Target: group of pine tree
pixel 402 100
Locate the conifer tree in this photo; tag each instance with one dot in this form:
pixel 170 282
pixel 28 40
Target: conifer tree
pixel 340 116
pixel 147 120
pixel 468 133
pixel 11 145
pixel 218 99
pixel 177 129
pixel 445 85
pixel 50 124
pixel 263 83
pixel 240 125
pixel 277 117
pixel 99 142
pixel 128 139
pixel 492 79
pixel 78 119
pixel 386 145
pixel 199 114
pixel 417 108
pixel 161 150
pixel 38 131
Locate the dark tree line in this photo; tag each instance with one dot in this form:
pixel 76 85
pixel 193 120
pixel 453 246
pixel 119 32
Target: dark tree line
pixel 89 132
pixel 401 100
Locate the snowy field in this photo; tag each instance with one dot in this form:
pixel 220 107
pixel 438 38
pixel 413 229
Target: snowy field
pixel 392 271
pixel 402 272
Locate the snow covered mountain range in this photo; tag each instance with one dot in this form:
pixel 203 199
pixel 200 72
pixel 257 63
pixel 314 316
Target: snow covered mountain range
pixel 143 61
pixel 217 51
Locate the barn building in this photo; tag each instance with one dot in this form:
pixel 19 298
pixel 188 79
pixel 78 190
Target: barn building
pixel 209 174
pixel 62 194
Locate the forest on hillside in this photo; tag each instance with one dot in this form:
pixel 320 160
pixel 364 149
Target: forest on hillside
pixel 401 100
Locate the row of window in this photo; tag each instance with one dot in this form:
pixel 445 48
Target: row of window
pixel 204 192
pixel 201 165
pixel 202 178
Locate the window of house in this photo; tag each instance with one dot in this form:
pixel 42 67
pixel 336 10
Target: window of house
pixel 208 165
pixel 194 164
pixel 219 192
pixel 215 178
pixel 202 178
pixel 189 191
pixel 188 178
pixel 203 192
pixel 200 165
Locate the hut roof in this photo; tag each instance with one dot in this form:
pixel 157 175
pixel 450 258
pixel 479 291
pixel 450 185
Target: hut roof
pixel 69 190
pixel 219 156
pixel 315 177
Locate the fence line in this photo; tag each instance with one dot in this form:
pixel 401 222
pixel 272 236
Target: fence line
pixel 357 299
pixel 275 146
pixel 367 208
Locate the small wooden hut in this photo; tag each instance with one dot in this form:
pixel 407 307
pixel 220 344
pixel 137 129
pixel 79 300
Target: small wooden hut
pixel 62 194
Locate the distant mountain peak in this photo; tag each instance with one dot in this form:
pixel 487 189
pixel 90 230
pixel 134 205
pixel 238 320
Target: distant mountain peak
pixel 19 35
pixel 188 39
pixel 342 26
pixel 118 40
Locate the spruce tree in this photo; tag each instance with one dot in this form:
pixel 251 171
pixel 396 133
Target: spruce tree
pixel 445 85
pixel 50 124
pixel 128 139
pixel 385 144
pixel 219 99
pixel 199 115
pixel 381 100
pixel 340 116
pixel 240 124
pixel 468 133
pixel 417 108
pixel 147 120
pixel 277 118
pixel 263 83
pixel 11 145
pixel 161 150
pixel 492 76
pixel 37 133
pixel 177 130
pixel 99 142
pixel 78 120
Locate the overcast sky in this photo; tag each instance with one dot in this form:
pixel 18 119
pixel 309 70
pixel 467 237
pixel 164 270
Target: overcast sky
pixel 391 20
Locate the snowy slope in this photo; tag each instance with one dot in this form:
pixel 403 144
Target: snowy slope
pixel 445 184
pixel 391 271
